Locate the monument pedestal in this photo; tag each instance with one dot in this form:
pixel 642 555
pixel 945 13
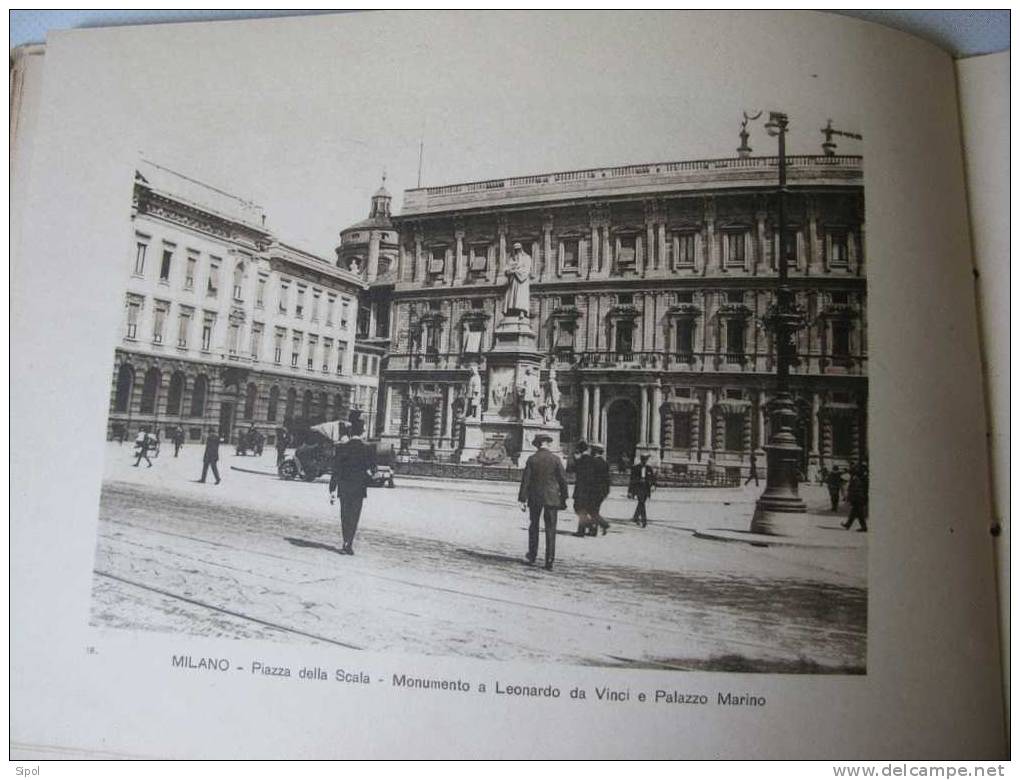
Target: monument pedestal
pixel 503 433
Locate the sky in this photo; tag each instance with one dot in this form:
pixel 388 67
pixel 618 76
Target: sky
pixel 304 115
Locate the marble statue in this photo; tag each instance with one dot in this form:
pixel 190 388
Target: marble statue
pixel 517 299
pixel 552 397
pixel 474 393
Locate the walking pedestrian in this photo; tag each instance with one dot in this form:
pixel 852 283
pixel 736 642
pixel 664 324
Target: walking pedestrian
pixel 352 465
pixel 600 484
pixel 282 440
pixel 178 438
pixel 142 444
pixel 753 474
pixel 642 482
pixel 543 493
pixel 834 482
pixel 857 497
pixel 211 456
pixel 583 494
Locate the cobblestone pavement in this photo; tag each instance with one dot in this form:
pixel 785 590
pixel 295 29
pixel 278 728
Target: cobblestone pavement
pixel 439 570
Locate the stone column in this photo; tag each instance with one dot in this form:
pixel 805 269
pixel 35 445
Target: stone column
pixel 661 256
pixel 448 413
pixel 419 263
pixel 649 253
pixel 643 437
pixel 388 410
pixel 549 266
pixel 593 251
pixel 816 406
pixel 584 414
pixel 596 413
pixel 706 429
pixel 459 266
pixel 762 415
pixel 373 256
pixel 656 415
pixel 501 260
pixel 607 253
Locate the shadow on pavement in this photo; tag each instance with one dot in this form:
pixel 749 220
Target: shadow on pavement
pixel 306 543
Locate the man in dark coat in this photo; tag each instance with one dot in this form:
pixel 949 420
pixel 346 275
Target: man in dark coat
pixel 352 465
pixel 834 481
pixel 178 436
pixel 282 439
pixel 600 487
pixel 642 482
pixel 583 493
pixel 211 456
pixel 753 473
pixel 857 497
pixel 543 493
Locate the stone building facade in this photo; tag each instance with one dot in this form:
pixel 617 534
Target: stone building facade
pixel 226 327
pixel 650 290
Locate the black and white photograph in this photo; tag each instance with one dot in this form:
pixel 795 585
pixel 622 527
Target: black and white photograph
pixel 494 358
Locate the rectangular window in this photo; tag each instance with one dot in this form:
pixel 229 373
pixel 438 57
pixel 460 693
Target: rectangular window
pixel 345 306
pixel 736 248
pixel 382 319
pixel 840 298
pixel 568 254
pixel 316 294
pixel 159 321
pixel 473 341
pixel 838 248
pixel 164 267
pixel 841 339
pixel 189 272
pixel 685 297
pixel 278 338
pixel 364 322
pixel 626 251
pixel 478 304
pixel 625 337
pixel 341 356
pixel 233 335
pixel 330 308
pixel 256 339
pixel 842 437
pixel 207 329
pixel 734 432
pixel 565 337
pixel 295 349
pixel 299 307
pixel 685 243
pixel 479 258
pixel 437 260
pixel 212 288
pixel 260 292
pixel 625 299
pixel 682 430
pixel 134 311
pixel 685 337
pixel 140 259
pixel 183 327
pixel 284 297
pixel 734 296
pixel 327 354
pixel 313 345
pixel 735 338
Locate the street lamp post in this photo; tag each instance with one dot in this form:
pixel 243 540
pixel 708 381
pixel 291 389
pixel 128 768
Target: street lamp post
pixel 779 511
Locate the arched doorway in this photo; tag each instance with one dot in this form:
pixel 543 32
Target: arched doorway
pixel 150 391
pixel 125 382
pixel 621 432
pixel 175 394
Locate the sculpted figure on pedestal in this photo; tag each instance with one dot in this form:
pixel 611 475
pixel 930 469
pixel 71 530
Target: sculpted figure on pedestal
pixel 474 393
pixel 552 397
pixel 517 299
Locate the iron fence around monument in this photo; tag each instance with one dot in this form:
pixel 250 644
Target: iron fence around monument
pixel 446 470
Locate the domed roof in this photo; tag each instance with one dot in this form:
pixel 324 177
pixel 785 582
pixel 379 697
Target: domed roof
pixel 381 222
pixel 382 192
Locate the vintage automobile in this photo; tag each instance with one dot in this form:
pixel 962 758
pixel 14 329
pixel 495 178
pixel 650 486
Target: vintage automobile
pixel 311 459
pixel 381 475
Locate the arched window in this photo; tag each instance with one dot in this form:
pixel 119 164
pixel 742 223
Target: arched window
pixel 274 401
pixel 150 391
pixel 306 405
pixel 125 382
pixel 238 280
pixel 175 393
pixel 251 394
pixel 288 410
pixel 198 396
pixel 338 406
pixel 324 405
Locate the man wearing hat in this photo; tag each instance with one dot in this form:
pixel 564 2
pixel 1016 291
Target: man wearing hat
pixel 642 481
pixel 543 493
pixel 600 489
pixel 584 497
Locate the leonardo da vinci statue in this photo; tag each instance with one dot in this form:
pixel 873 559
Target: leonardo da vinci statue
pixel 517 300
